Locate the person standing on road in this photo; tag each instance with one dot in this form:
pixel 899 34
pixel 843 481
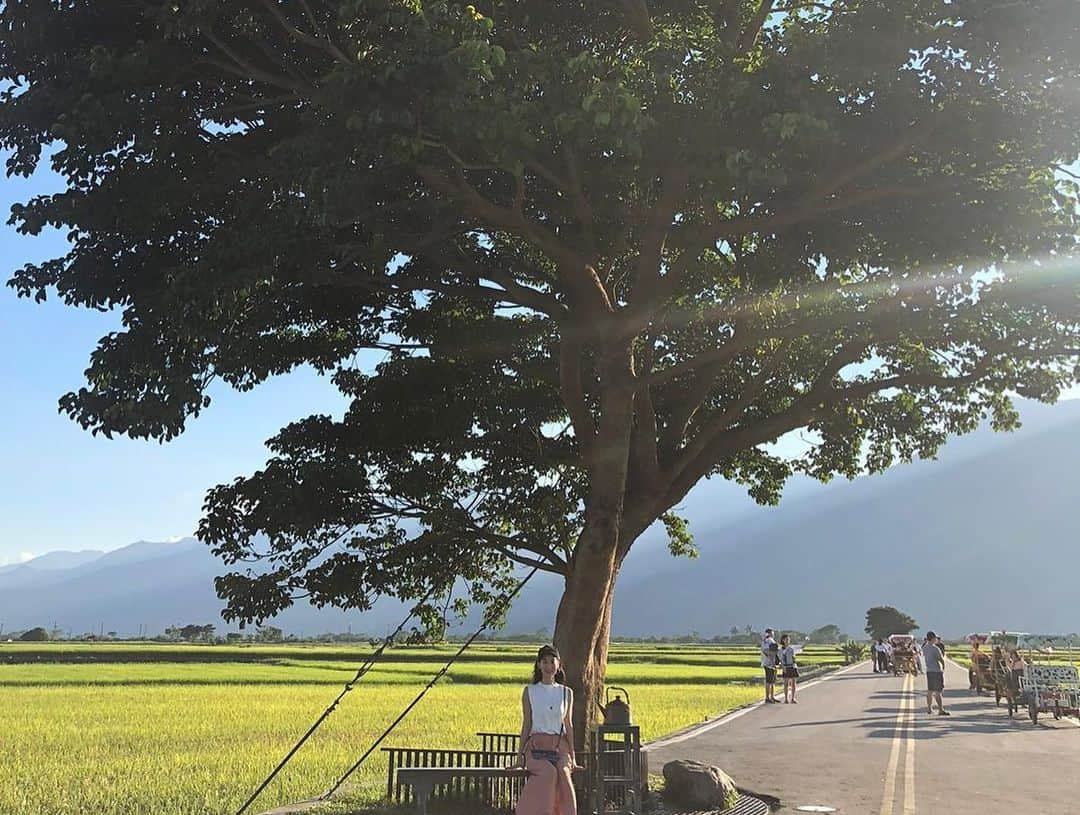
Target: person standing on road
pixel 770 656
pixel 790 669
pixel 1016 668
pixel 979 667
pixel 881 664
pixel 934 660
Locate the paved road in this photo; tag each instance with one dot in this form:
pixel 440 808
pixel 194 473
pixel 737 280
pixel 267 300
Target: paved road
pixel 863 743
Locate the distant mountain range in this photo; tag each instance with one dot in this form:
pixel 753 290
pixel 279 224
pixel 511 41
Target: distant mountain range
pixel 144 586
pixel 987 537
pixel 57 560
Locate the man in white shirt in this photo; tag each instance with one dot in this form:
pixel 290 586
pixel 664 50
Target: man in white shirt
pixel 934 658
pixel 770 657
pixel 881 662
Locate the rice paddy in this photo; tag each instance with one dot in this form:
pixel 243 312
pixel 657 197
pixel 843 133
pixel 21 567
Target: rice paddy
pixel 139 729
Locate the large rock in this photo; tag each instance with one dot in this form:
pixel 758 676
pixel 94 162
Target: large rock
pixel 694 785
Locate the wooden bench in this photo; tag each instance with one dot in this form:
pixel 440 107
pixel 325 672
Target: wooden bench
pixel 500 792
pixel 424 780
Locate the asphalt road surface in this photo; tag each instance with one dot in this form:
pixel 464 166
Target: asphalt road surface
pixel 863 743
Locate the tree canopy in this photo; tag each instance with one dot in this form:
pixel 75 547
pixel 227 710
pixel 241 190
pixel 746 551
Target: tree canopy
pixel 605 250
pixel 827 634
pixel 881 621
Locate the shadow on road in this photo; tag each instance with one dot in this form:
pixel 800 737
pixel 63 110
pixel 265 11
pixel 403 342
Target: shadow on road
pixel 971 715
pixel 858 719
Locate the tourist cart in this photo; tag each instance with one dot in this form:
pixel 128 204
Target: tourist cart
pixel 1006 685
pixel 1051 683
pixel 903 658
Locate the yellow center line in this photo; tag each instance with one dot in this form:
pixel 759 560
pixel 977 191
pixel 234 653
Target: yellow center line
pixel 909 760
pixel 894 755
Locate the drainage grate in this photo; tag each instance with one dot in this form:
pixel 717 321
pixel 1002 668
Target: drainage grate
pixel 747 805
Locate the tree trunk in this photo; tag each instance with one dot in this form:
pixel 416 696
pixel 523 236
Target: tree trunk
pixel 583 622
pixel 583 630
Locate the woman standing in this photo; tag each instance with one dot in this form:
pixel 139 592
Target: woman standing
pixel 547 740
pixel 1016 668
pixel 791 670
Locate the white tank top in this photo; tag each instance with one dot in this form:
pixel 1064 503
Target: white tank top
pixel 548 705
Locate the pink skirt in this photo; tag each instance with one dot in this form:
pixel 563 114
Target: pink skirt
pixel 549 789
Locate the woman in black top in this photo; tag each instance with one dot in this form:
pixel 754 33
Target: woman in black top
pixel 791 670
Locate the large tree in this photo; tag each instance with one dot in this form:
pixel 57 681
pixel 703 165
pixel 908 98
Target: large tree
pixel 881 621
pixel 607 249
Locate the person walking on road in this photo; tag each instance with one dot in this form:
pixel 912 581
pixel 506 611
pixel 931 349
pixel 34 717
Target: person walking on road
pixel 790 669
pixel 934 660
pixel 881 660
pixel 770 657
pixel 1016 668
pixel 980 667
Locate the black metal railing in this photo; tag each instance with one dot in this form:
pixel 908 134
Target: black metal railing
pixel 499 742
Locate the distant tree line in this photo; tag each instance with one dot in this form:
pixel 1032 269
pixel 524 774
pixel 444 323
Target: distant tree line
pixel 206 634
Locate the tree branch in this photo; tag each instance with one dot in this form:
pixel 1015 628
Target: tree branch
pixel 819 200
pixel 582 208
pixel 718 423
pixel 801 412
pixel 572 389
pixel 517 293
pixel 327 46
pixel 246 70
pixel 1061 168
pixel 748 38
pixel 895 149
pixel 644 447
pixel 638 19
pixel 402 282
pixel 661 215
pixel 725 15
pixel 551 562
pixel 745 338
pixel 580 278
pixel 464 523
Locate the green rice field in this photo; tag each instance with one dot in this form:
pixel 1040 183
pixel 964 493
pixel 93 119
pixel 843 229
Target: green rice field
pixel 140 729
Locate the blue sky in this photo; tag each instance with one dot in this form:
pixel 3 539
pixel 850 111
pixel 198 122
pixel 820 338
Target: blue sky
pixel 61 487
